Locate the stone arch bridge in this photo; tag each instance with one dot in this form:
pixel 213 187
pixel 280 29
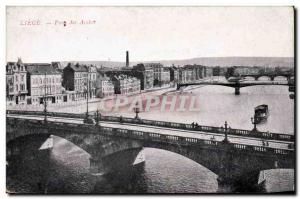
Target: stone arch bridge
pixel 270 76
pixel 236 85
pixel 237 165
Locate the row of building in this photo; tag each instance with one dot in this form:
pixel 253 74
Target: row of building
pixel 32 83
pixel 257 70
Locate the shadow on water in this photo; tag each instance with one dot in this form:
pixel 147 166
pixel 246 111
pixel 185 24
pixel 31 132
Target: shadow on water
pixel 132 182
pixel 40 171
pixel 26 168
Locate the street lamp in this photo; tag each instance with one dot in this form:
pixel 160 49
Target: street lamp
pixel 87 120
pixel 87 102
pixel 137 111
pixel 254 122
pixel 45 110
pixel 45 100
pixel 226 128
pixel 17 97
pixel 98 115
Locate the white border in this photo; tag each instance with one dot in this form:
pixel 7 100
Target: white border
pixel 4 3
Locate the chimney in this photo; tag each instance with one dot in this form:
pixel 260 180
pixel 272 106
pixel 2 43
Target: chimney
pixel 127 59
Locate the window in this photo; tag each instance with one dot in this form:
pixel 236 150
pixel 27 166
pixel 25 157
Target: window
pixel 22 87
pixel 22 78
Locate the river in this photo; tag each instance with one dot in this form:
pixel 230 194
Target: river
pixel 163 171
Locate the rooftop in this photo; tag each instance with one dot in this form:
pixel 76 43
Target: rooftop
pixel 78 67
pixel 41 69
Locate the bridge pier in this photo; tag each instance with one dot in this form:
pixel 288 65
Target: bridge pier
pixel 96 165
pixel 117 163
pixel 244 184
pixel 292 88
pixel 237 90
pixel 232 179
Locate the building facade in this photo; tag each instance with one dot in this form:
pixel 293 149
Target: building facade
pixel 125 85
pixel 44 82
pixel 145 74
pixel 208 72
pixel 80 79
pixel 174 74
pixel 157 73
pixel 92 72
pixel 104 86
pixel 16 85
pixel 165 77
pixel 161 74
pixel 191 73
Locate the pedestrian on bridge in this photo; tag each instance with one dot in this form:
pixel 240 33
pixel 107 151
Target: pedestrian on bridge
pixel 265 143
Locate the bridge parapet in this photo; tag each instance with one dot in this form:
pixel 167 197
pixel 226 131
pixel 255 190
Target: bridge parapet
pixel 221 130
pixel 141 135
pixel 184 126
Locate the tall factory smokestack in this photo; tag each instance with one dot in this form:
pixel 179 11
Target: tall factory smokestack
pixel 127 59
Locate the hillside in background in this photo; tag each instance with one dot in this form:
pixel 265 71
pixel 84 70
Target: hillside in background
pixel 206 61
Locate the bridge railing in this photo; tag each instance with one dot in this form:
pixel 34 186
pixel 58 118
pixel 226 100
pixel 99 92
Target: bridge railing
pixel 212 129
pixel 146 136
pixel 165 124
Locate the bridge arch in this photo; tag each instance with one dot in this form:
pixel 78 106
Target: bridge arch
pixel 224 164
pixel 264 78
pixel 179 151
pixel 281 77
pixel 17 145
pixel 42 137
pixel 251 78
pixel 101 148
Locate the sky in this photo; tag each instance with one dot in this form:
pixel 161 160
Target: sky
pixel 148 33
